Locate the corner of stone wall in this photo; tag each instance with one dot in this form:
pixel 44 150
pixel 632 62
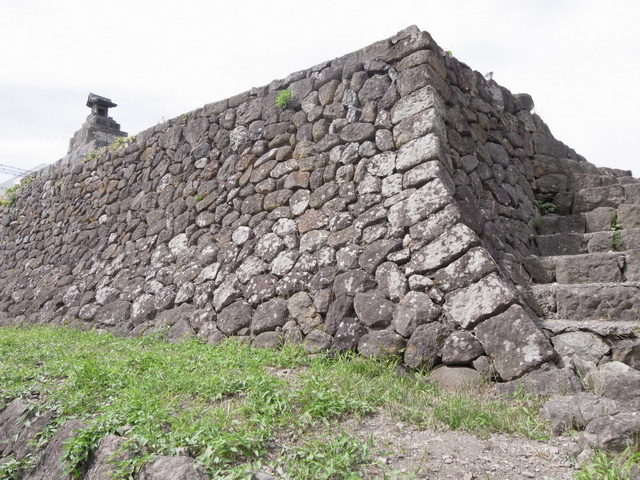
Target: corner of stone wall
pixel 476 295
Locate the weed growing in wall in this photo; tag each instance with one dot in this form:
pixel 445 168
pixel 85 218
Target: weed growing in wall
pixel 546 207
pixel 285 98
pixel 10 194
pixel 93 154
pixel 121 142
pixel 616 241
pixel 537 223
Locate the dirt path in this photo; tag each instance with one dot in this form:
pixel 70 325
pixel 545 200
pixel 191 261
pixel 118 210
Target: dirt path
pixel 438 455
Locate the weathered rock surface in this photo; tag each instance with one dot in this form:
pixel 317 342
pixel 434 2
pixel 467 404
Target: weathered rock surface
pixel 514 343
pixel 586 345
pixel 461 348
pixel 471 305
pixel 614 433
pixel 102 467
pixel 553 381
pixel 49 465
pixel 456 378
pixel 172 468
pixel 577 411
pixel 381 343
pixel 425 345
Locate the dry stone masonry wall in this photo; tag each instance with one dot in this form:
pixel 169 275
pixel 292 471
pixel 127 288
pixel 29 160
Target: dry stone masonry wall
pixel 389 209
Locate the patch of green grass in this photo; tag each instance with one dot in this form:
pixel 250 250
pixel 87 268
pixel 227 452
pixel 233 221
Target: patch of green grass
pixel 229 406
pixel 615 224
pixel 284 98
pixel 606 466
pixel 332 456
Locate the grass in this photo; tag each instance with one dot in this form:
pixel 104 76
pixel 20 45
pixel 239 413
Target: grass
pixel 605 466
pixel 233 407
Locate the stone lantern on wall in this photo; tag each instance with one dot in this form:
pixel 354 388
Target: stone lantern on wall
pixel 99 129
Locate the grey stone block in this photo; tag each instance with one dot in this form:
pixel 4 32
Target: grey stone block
pixel 591 268
pixel 514 343
pixel 469 268
pixel 588 199
pixel 576 411
pixel 425 345
pixel 443 250
pixel 561 244
pixel 471 305
pixel 381 343
pixel 629 216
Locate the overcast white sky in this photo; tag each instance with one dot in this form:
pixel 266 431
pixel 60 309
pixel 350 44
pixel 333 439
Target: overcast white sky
pixel 579 59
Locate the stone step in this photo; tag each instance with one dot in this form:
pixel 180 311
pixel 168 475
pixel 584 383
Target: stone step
pixel 612 328
pixel 587 199
pixel 554 223
pixel 603 267
pixel 579 243
pixel 602 177
pixel 600 219
pixel 590 301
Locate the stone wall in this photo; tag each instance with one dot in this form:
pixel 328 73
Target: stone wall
pixel 388 209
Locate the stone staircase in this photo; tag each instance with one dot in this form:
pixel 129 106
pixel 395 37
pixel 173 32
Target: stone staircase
pixel 586 268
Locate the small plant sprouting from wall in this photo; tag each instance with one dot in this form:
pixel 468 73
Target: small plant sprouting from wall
pixel 546 207
pixel 285 98
pixel 93 154
pixel 197 198
pixel 537 224
pixel 10 194
pixel 615 225
pixel 121 142
pixel 616 241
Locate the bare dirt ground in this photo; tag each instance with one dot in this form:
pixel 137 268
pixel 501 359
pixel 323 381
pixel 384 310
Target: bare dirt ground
pixel 438 455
